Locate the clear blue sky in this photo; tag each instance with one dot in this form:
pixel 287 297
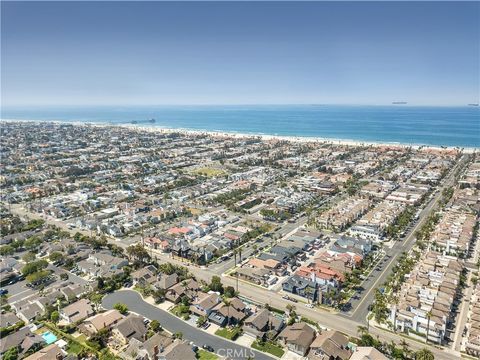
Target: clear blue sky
pixel 65 53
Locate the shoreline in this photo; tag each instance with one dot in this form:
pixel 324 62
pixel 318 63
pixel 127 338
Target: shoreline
pixel 263 137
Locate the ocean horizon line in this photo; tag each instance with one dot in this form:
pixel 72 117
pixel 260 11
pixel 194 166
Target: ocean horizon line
pixel 392 104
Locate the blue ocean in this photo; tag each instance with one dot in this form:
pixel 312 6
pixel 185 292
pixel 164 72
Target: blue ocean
pixel 441 126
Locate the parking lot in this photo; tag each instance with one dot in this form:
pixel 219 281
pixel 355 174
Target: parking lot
pixel 19 290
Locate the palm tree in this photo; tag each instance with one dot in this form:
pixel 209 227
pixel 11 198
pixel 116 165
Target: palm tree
pixel 235 256
pixel 227 303
pixel 362 330
pixel 405 348
pixel 391 347
pixel 309 294
pixel 429 314
pixel 96 299
pixel 290 308
pixel 331 296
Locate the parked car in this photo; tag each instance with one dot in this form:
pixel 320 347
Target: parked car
pixel 286 297
pixel 208 348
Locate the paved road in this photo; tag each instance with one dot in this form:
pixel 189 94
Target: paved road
pixel 173 324
pixel 339 322
pixel 359 306
pixel 20 291
pixel 462 316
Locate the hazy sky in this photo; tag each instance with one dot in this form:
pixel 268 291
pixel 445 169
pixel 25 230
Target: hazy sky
pixel 62 53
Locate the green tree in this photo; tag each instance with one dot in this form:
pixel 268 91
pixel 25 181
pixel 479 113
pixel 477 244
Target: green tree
pixel 424 354
pixel 122 308
pixel 32 242
pixel 64 276
pixel 159 295
pixel 137 252
pixel 362 330
pixel 29 257
pixel 155 326
pixel 105 354
pixel 34 266
pixel 229 291
pixel 216 284
pixel 55 316
pixel 7 250
pixel 96 299
pixel 201 320
pixel 55 256
pixel 37 276
pixel 11 354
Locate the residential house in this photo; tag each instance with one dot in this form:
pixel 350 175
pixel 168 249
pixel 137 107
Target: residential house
pixel 23 339
pixel 261 322
pixel 204 304
pixel 8 319
pixel 230 314
pixel 76 311
pixel 165 281
pixel 94 324
pixel 187 288
pixel 297 337
pixel 130 327
pixel 50 352
pixel 145 276
pixel 177 350
pixel 330 344
pixel 301 286
pixel 30 312
pixel 367 353
pixel 254 275
pixel 146 350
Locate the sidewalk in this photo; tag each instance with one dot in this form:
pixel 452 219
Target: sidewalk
pixel 462 315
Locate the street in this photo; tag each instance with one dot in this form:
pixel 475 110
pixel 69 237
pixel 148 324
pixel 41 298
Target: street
pixel 358 308
pixel 173 324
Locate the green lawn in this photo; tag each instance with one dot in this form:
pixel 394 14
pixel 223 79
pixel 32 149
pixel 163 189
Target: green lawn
pixel 81 338
pixel 269 348
pixel 180 310
pixel 230 334
pixel 74 348
pixel 206 355
pixel 209 171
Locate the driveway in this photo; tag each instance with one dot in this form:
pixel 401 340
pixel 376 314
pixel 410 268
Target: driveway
pixel 173 324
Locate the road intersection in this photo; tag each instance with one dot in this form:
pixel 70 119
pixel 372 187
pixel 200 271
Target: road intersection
pixel 347 322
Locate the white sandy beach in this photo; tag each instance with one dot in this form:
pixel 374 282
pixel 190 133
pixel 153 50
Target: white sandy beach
pixel 264 137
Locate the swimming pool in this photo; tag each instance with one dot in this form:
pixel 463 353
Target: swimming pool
pixel 49 337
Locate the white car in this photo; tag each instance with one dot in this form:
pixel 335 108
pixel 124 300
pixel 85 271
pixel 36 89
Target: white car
pixel 309 306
